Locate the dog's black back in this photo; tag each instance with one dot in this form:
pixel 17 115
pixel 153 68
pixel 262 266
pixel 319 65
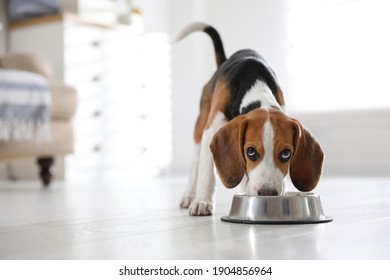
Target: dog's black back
pixel 241 71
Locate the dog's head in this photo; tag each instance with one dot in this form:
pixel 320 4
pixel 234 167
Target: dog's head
pixel 264 145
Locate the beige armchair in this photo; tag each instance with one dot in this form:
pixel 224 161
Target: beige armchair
pixel 63 108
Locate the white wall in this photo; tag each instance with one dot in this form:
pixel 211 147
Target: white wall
pixel 156 14
pixel 256 24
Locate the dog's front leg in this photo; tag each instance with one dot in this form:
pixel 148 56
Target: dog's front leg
pixel 190 191
pixel 204 203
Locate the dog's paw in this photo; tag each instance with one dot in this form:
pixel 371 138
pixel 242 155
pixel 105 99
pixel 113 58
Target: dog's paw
pixel 186 201
pixel 201 208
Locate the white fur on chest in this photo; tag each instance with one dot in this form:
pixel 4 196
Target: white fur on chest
pixel 259 92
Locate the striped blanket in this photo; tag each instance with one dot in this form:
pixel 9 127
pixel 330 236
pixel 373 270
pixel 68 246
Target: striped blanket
pixel 25 101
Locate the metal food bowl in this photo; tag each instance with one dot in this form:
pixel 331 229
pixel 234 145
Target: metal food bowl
pixel 290 208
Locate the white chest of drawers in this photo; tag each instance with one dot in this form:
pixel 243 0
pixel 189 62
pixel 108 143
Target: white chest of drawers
pixel 123 121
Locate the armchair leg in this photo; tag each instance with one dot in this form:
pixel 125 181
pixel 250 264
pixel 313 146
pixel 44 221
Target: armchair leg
pixel 46 170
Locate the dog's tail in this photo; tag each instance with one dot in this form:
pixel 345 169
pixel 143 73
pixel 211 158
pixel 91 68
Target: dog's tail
pixel 212 32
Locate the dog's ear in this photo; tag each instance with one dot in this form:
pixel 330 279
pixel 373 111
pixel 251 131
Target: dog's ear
pixel 306 164
pixel 226 147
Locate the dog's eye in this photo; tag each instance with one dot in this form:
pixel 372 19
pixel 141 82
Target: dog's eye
pixel 252 154
pixel 285 155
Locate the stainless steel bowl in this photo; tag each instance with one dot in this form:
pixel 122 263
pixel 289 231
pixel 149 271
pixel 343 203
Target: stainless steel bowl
pixel 290 208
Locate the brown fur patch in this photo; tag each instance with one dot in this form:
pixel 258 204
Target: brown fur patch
pixel 205 105
pixel 283 128
pixel 279 96
pixel 220 102
pixel 253 136
pixel 306 164
pixel 226 150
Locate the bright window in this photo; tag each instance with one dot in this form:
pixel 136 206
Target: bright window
pixel 339 55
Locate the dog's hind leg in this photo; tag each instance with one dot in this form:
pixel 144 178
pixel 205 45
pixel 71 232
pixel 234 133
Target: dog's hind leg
pixel 190 192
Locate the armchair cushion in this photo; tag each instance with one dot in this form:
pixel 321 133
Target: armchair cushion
pixel 64 101
pixel 27 61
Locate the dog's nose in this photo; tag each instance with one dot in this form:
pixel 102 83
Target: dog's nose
pixel 267 192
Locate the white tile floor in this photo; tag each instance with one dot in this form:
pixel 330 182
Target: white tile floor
pixel 129 220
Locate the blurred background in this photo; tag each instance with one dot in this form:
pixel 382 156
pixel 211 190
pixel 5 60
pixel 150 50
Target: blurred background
pixel 136 115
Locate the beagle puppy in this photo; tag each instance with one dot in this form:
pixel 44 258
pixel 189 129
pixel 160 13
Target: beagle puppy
pixel 243 131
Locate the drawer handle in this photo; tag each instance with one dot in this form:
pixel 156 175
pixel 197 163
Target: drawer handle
pixel 96 78
pixel 97 148
pixel 96 43
pixel 97 114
